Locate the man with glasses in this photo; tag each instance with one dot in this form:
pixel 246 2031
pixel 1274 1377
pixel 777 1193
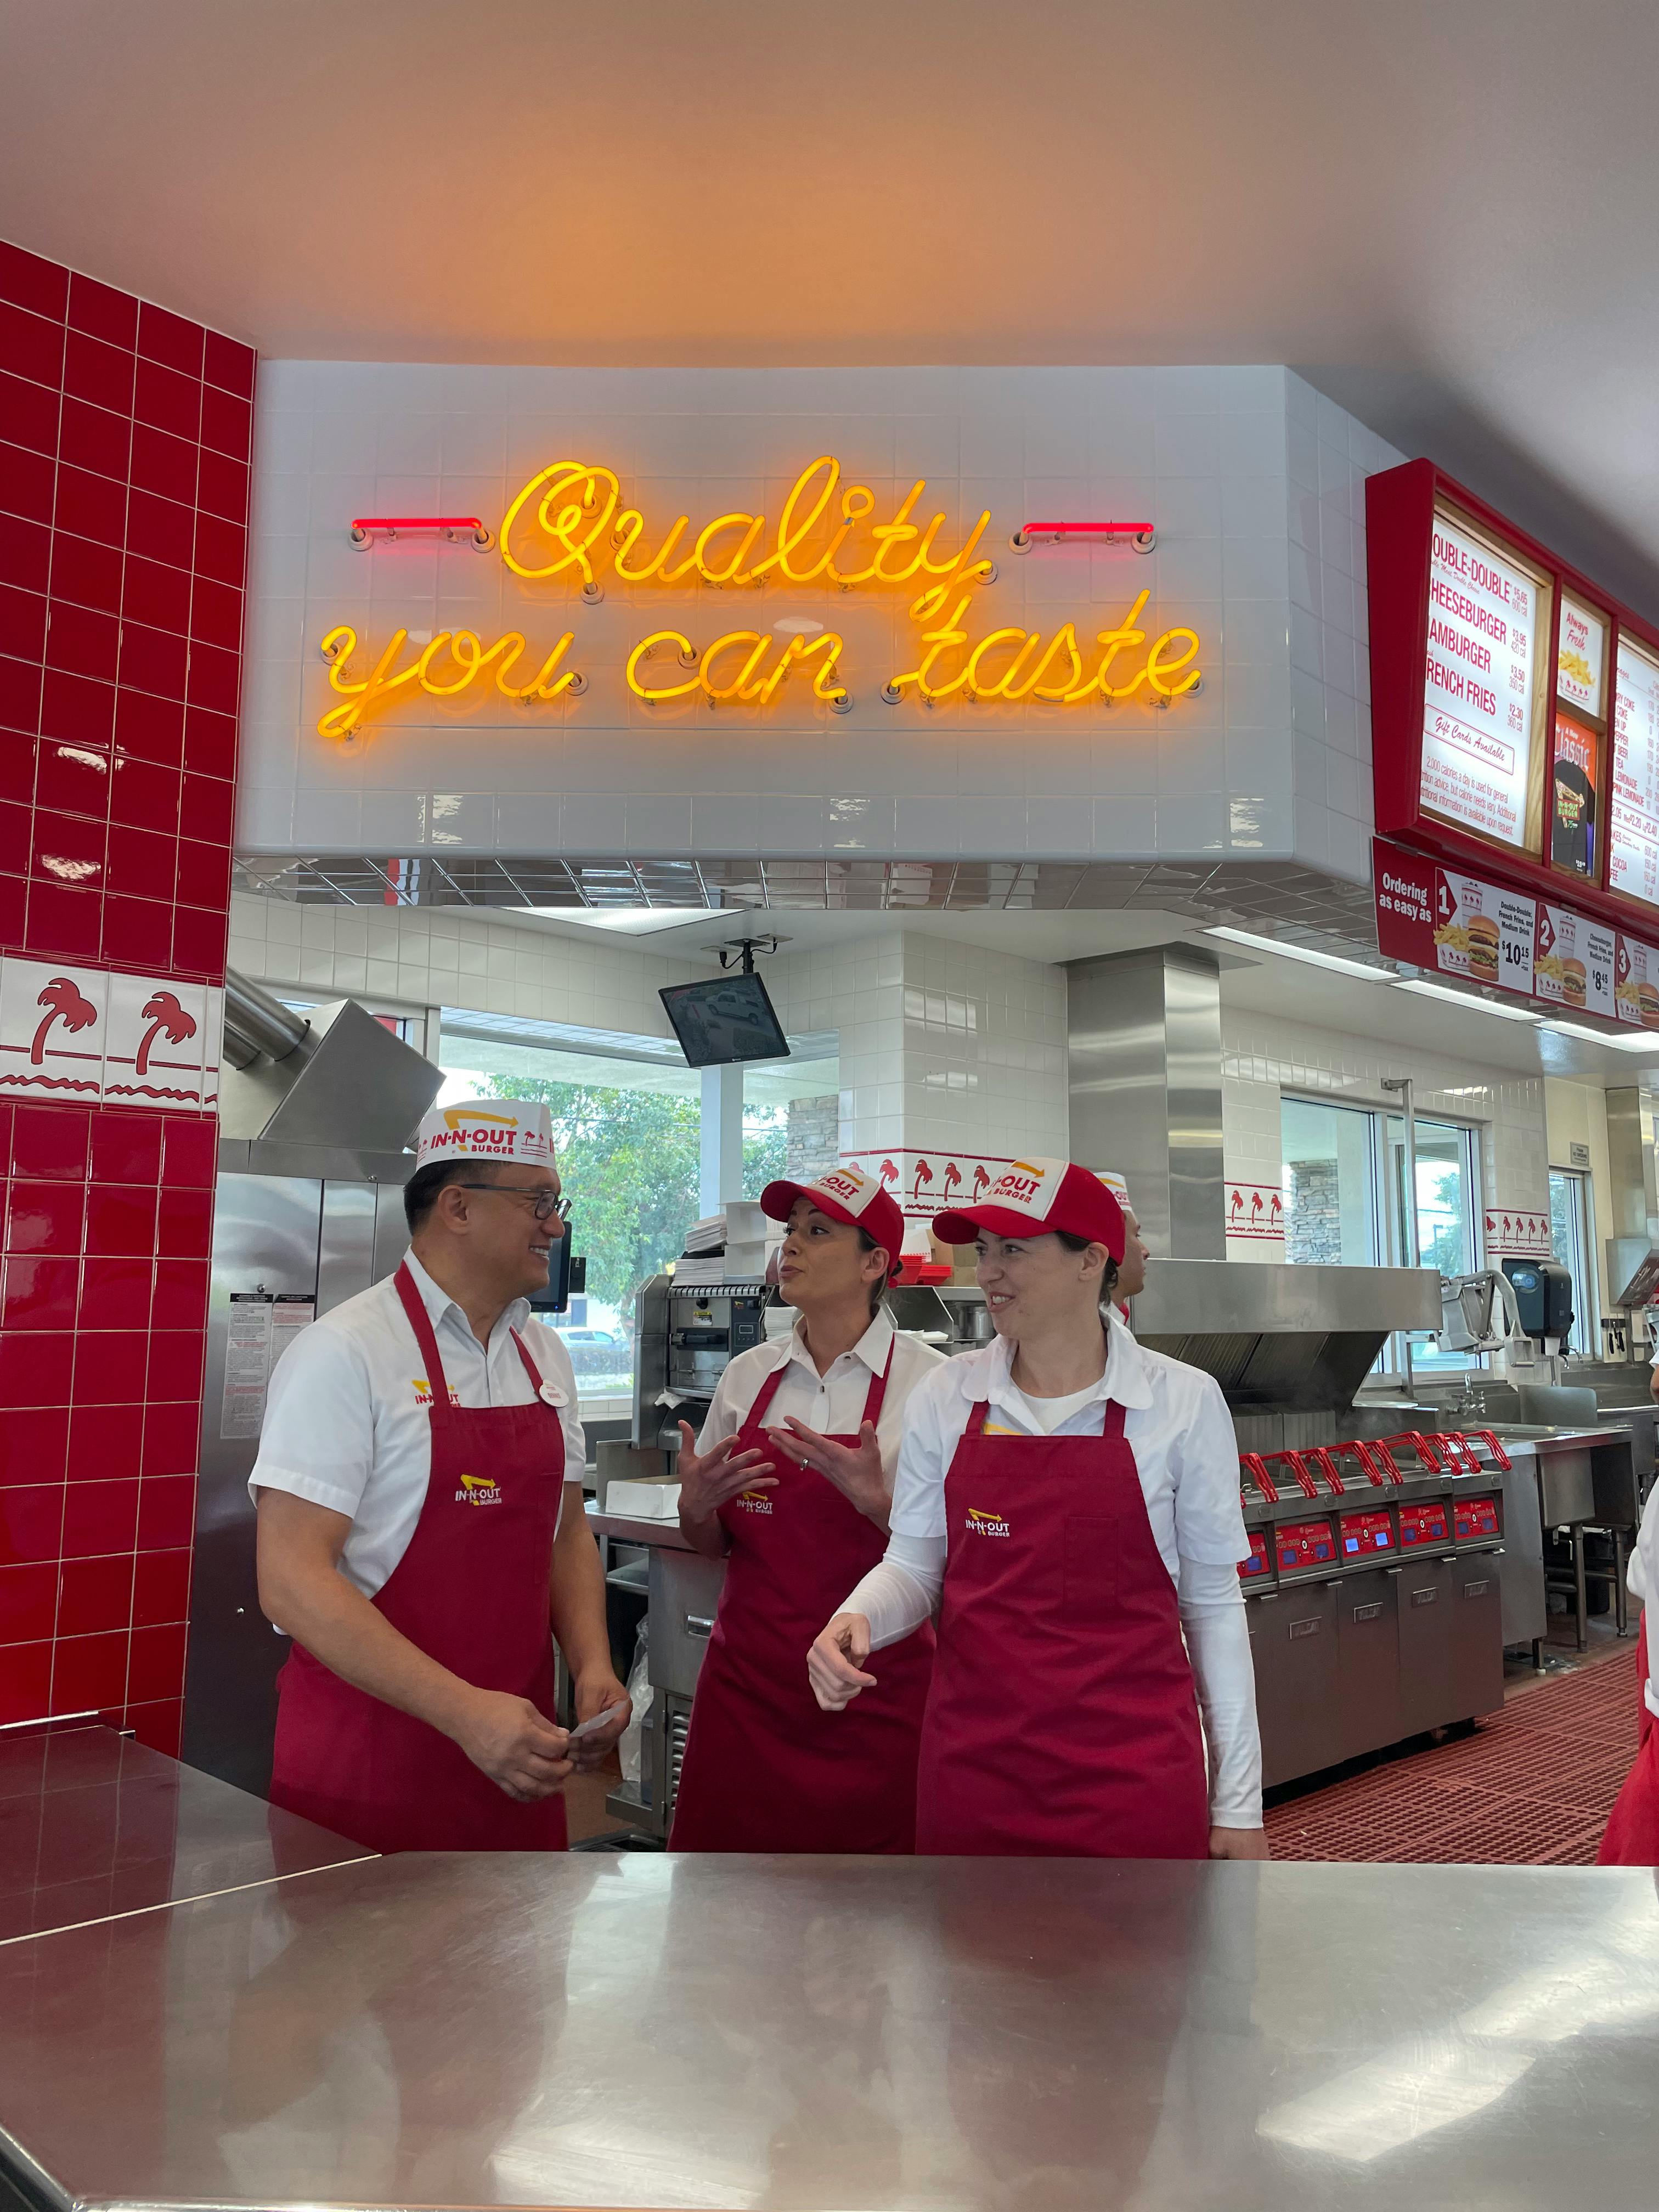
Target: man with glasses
pixel 421 1537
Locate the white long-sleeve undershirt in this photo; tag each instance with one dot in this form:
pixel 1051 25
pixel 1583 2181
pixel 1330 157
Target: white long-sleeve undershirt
pixel 902 1590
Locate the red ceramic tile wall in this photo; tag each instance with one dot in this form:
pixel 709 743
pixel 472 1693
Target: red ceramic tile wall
pixel 125 434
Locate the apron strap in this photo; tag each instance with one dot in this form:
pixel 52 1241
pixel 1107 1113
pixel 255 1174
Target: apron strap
pixel 421 1321
pixel 765 1395
pixel 876 1395
pixel 977 1419
pixel 530 1366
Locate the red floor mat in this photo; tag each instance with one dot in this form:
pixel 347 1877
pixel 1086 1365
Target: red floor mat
pixel 1532 1787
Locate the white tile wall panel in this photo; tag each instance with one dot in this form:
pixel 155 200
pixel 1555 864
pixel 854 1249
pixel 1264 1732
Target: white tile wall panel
pixel 1253 481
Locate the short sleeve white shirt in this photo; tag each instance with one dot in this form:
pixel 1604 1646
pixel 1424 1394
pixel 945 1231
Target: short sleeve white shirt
pixel 833 1403
pixel 1175 1421
pixel 347 1423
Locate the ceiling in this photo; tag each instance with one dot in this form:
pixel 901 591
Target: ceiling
pixel 1442 214
pixel 1461 1027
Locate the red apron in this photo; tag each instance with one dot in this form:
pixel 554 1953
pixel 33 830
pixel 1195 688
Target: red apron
pixel 1063 1720
pixel 473 1591
pixel 1632 1836
pixel 765 1770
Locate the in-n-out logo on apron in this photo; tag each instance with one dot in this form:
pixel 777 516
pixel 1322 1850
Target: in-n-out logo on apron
pixel 478 1490
pixel 753 1501
pixel 986 1524
pixel 423 1390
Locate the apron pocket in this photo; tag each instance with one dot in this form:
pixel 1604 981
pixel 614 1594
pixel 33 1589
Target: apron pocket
pixel 1091 1564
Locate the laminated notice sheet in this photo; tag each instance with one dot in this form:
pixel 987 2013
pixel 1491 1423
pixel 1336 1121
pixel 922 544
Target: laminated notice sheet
pixel 260 1328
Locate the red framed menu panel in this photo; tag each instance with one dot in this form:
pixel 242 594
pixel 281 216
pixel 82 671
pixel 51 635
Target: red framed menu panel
pixel 1515 705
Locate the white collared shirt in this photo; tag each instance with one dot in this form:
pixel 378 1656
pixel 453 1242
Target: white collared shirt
pixel 347 1423
pixel 1175 1421
pixel 834 1403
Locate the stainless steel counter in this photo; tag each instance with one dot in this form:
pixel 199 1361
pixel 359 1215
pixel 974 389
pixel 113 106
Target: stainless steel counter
pixel 93 1824
pixel 934 2034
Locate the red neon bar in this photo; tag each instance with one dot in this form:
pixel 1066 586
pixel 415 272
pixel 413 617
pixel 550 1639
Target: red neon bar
pixel 416 522
pixel 1089 529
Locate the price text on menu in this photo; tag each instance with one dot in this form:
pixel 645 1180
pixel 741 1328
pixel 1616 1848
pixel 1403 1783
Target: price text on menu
pixel 1478 687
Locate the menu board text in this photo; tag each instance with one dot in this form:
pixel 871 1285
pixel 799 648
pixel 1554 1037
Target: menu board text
pixel 1478 691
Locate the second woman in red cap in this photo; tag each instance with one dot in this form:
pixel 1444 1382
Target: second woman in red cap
pixel 791 1480
pixel 1069 1501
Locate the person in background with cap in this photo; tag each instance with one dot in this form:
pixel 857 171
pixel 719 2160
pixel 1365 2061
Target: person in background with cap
pixel 791 1480
pixel 421 1536
pixel 1132 1269
pixel 1070 1503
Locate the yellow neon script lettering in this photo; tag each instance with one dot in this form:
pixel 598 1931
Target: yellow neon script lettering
pixel 576 504
pixel 747 685
pixel 469 657
pixel 555 525
pixel 1031 671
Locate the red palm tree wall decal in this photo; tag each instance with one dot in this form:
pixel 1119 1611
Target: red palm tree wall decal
pixel 981 1181
pixel 952 1175
pixel 889 1172
pixel 64 1003
pixel 163 1012
pixel 924 1174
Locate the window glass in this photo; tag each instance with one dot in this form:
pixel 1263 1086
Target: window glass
pixel 1330 1212
pixel 627 1132
pixel 1570 1240
pixel 791 1114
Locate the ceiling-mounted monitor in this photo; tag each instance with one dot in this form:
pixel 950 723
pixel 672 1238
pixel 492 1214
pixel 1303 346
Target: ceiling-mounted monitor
pixel 727 1019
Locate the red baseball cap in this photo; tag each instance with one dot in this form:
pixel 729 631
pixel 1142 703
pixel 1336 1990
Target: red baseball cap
pixel 846 1194
pixel 1034 1198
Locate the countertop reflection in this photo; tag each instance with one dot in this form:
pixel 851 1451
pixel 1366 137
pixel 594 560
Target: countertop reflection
pixel 92 1824
pixel 837 2034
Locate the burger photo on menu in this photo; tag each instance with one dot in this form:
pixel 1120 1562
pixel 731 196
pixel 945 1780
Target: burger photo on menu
pixel 1483 947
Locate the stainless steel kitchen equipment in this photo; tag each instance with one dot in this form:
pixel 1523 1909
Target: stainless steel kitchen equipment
pixel 682 1342
pixel 92 1824
pixel 907 2032
pixel 1367 1622
pixel 304 1219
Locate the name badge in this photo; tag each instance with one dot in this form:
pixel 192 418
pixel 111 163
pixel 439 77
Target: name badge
pixel 552 1395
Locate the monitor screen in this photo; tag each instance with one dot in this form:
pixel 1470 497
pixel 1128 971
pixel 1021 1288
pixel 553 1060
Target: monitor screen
pixel 729 1017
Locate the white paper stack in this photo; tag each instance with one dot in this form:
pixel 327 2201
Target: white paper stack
pixel 700 1274
pixel 707 1235
pixel 643 1501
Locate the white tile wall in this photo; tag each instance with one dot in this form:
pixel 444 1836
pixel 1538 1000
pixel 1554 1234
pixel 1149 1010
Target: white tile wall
pixel 419 957
pixel 1253 480
pixel 1263 1057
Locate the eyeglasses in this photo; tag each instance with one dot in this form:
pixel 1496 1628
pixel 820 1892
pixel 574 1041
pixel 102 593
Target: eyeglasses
pixel 542 1203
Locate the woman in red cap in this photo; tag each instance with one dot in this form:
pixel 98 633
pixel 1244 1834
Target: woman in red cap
pixel 791 1480
pixel 1069 1502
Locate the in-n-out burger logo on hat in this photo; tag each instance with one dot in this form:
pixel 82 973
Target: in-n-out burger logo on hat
pixel 845 1194
pixel 1026 1186
pixel 487 1129
pixel 1032 1197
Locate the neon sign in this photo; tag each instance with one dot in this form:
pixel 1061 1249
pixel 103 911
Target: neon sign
pixel 570 507
pixel 568 522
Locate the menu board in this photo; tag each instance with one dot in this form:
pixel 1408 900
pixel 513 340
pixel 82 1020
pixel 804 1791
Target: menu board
pixel 1638 982
pixel 1453 923
pixel 1478 690
pixel 1574 800
pixel 1633 817
pixel 1581 657
pixel 1574 961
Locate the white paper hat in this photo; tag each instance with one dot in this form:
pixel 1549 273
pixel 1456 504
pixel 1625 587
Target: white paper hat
pixel 1116 1184
pixel 487 1129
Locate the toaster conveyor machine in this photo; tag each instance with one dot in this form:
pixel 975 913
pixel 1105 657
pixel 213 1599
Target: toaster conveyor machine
pixel 1374 1595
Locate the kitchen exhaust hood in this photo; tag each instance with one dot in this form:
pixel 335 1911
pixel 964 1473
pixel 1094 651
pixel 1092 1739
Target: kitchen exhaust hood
pixel 335 1078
